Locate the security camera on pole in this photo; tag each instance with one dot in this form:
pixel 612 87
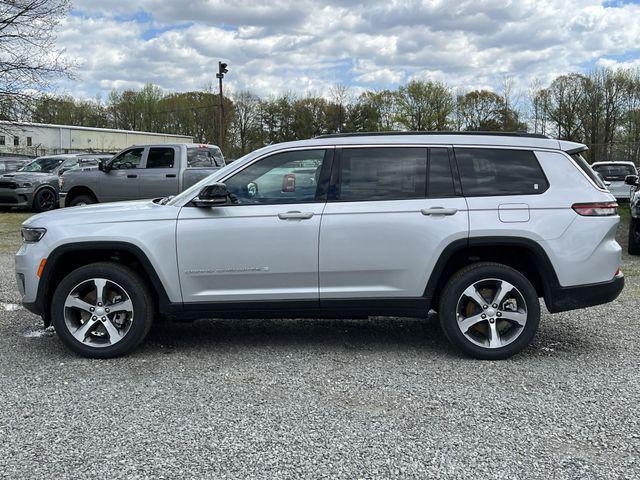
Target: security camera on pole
pixel 222 69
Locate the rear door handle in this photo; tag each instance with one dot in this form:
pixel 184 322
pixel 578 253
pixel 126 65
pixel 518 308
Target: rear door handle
pixel 295 215
pixel 171 175
pixel 132 176
pixel 439 211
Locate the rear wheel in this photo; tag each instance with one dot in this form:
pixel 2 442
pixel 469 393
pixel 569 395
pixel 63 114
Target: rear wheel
pixel 102 310
pixel 80 200
pixel 634 237
pixel 45 200
pixel 489 311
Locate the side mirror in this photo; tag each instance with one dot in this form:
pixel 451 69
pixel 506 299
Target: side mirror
pixel 212 195
pixel 632 180
pixel 104 166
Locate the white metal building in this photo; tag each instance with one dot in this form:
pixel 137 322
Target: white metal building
pixel 45 139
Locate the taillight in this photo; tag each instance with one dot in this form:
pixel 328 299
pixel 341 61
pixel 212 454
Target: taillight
pixel 600 209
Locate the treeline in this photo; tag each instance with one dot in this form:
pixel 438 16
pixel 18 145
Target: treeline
pixel 601 109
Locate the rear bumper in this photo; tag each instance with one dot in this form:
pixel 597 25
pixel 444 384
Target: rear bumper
pixel 583 296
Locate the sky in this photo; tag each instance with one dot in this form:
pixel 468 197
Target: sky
pixel 306 46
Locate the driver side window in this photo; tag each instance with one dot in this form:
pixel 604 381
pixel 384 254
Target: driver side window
pixel 288 177
pixel 128 159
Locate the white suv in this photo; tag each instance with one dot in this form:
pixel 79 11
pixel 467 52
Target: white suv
pixel 477 227
pixel 614 173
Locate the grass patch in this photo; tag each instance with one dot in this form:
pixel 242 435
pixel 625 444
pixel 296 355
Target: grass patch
pixel 10 230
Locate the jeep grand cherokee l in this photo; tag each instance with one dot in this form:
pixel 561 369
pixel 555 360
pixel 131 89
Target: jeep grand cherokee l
pixel 477 227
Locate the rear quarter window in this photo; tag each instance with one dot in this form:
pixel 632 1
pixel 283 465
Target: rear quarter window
pixel 486 171
pixel 584 166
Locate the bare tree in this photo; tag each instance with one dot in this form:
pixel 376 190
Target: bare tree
pixel 29 58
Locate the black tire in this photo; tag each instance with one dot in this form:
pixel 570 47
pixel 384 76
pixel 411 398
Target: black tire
pixel 634 237
pixel 143 308
pixel 45 200
pixel 468 276
pixel 82 200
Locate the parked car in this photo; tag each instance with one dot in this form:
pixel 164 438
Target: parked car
pixel 35 185
pixel 633 246
pixel 11 164
pixel 141 171
pixel 478 227
pixel 615 173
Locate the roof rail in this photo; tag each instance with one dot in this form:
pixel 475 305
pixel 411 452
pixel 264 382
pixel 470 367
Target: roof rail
pixel 379 134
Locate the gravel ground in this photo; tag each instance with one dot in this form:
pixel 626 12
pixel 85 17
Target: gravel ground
pixel 384 398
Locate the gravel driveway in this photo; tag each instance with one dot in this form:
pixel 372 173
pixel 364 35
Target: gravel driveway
pixel 384 398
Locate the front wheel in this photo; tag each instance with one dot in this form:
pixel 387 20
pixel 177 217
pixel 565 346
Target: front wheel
pixel 45 200
pixel 489 311
pixel 102 310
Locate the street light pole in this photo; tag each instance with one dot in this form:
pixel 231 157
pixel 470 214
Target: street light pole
pixel 222 69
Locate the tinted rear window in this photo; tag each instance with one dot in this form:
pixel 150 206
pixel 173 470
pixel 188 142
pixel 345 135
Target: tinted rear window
pixel 382 174
pixel 486 171
pixel 160 157
pixel 614 171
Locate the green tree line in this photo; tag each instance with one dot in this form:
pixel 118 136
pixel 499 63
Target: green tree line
pixel 601 109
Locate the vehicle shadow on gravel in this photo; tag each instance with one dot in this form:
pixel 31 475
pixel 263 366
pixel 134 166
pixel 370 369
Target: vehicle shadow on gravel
pixel 376 333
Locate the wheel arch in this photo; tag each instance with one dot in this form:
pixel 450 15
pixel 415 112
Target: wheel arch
pixel 78 190
pixel 68 257
pixel 523 254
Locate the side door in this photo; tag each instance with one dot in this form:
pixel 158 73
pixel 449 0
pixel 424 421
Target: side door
pixel 121 182
pixel 263 244
pixel 390 213
pixel 159 177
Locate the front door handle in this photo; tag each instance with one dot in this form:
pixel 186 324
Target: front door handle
pixel 132 176
pixel 439 211
pixel 170 175
pixel 295 215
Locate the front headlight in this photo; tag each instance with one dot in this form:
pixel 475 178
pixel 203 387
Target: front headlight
pixel 25 185
pixel 32 235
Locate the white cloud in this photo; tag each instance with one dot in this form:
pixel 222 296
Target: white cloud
pixel 308 46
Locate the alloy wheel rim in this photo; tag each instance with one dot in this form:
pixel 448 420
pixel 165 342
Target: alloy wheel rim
pixel 46 200
pixel 98 312
pixel 491 313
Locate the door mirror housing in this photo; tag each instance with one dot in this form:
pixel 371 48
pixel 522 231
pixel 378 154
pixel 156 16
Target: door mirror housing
pixel 632 180
pixel 104 166
pixel 212 195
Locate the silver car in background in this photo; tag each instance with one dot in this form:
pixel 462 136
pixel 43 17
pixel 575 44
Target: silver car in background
pixel 35 185
pixel 614 174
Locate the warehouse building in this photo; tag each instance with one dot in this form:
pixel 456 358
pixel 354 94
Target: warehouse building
pixel 35 139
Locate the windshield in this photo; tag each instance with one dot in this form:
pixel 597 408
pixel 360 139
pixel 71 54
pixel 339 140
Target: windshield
pixel 43 164
pixel 614 171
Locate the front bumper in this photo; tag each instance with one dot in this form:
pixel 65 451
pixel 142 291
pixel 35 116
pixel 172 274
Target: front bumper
pixel 583 296
pixel 18 197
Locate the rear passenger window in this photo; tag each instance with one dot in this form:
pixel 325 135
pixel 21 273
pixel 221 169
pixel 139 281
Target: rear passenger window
pixel 440 178
pixel 160 157
pixel 382 174
pixel 485 171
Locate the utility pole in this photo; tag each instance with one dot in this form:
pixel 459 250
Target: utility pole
pixel 222 69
